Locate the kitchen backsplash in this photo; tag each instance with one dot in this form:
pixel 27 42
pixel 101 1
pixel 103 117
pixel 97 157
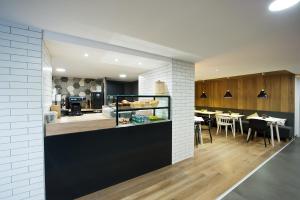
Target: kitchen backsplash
pixel 70 86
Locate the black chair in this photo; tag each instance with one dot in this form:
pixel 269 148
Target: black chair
pixel 259 126
pixel 206 125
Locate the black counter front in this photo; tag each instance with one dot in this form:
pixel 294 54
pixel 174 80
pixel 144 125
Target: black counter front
pixel 77 164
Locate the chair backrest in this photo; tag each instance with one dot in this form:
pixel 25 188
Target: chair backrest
pixel 222 119
pixel 257 124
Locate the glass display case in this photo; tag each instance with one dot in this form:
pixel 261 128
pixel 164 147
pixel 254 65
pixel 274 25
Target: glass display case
pixel 139 109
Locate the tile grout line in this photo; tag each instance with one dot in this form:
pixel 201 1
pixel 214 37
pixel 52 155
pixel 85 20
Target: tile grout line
pixel 252 172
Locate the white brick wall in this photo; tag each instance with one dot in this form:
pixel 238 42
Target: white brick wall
pixel 21 131
pixel 183 97
pixel 47 79
pixel 179 77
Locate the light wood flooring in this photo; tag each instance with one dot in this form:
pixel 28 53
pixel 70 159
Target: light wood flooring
pixel 214 169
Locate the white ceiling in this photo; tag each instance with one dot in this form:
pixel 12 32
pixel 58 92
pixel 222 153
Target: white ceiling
pixel 234 36
pixel 99 63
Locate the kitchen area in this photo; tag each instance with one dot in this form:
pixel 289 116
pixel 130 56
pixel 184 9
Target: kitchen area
pixel 98 127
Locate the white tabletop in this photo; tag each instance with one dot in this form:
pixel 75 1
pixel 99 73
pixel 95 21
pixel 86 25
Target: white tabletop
pixel 233 115
pixel 198 119
pixel 205 112
pixel 273 120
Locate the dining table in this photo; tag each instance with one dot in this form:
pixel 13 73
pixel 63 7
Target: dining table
pixel 272 122
pixel 234 117
pixel 205 112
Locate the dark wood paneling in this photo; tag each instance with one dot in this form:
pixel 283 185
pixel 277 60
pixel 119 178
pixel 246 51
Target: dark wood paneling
pixel 279 86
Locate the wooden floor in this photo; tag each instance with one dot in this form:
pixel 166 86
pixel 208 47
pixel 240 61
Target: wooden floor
pixel 214 169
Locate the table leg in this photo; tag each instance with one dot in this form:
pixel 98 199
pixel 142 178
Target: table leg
pixel 277 132
pixel 241 126
pixel 272 134
pixel 233 120
pixel 248 136
pixel 200 131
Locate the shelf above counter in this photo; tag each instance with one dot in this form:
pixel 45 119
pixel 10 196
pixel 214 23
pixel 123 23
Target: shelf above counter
pixel 142 108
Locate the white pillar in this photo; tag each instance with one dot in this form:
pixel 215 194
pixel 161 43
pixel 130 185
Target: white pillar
pixel 180 79
pixel 297 106
pixel 21 119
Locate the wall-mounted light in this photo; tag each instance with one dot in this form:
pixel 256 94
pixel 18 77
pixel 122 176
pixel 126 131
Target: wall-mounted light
pixel 228 94
pixel 262 94
pixel 203 95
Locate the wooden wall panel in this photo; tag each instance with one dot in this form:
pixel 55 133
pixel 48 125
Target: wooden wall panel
pixel 279 87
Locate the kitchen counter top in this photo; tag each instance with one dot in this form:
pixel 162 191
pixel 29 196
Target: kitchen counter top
pixel 85 122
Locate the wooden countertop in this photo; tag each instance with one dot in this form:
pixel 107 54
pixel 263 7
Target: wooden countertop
pixel 85 122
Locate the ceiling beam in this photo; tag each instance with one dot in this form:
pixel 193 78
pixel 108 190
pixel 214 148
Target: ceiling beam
pixel 101 45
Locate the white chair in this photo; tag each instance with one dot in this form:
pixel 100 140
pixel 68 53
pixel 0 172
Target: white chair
pixel 224 121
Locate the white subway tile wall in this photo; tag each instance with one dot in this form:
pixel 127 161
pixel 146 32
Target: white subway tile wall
pixel 47 78
pixel 21 130
pixel 179 77
pixel 183 95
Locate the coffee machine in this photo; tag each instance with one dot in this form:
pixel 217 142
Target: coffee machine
pixel 97 100
pixel 75 105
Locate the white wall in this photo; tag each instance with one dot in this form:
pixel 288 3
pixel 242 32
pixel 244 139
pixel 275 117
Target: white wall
pixel 297 106
pixel 21 130
pixel 47 79
pixel 183 106
pixel 179 77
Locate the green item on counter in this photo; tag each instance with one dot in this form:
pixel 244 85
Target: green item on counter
pixel 154 118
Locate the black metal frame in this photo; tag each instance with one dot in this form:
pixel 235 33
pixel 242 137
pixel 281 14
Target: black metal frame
pixel 118 97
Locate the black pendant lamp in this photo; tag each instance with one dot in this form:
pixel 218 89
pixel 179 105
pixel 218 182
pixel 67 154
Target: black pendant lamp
pixel 203 95
pixel 262 94
pixel 228 94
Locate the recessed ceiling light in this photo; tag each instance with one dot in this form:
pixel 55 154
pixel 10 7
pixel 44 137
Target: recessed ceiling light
pixel 123 75
pixel 86 55
pixel 140 63
pixel 279 5
pixel 116 60
pixel 60 69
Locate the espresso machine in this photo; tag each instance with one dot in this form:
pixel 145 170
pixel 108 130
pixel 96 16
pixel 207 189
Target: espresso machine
pixel 75 105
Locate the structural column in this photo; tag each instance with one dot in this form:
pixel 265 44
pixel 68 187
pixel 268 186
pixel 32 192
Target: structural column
pixel 21 119
pixel 179 77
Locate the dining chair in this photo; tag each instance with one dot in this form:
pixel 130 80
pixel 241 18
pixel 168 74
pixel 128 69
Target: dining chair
pixel 226 122
pixel 258 126
pixel 206 125
pixel 198 132
pixel 199 126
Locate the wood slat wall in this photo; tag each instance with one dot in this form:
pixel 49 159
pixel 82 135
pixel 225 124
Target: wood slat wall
pixel 279 86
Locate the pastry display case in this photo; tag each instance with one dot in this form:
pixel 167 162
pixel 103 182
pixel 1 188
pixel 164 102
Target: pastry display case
pixel 139 109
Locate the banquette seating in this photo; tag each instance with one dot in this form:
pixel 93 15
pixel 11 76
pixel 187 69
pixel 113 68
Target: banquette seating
pixel 286 132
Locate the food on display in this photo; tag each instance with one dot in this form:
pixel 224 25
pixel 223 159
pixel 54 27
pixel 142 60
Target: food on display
pixel 144 103
pixel 154 118
pixel 123 120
